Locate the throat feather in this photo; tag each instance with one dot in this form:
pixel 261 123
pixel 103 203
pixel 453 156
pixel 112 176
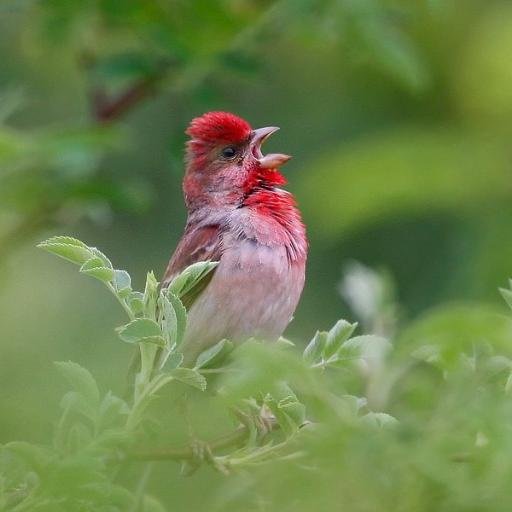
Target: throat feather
pixel 263 179
pixel 275 205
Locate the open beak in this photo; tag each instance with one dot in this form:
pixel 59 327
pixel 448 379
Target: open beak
pixel 272 160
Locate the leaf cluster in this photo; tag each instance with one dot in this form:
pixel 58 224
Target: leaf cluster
pixel 344 395
pixel 100 432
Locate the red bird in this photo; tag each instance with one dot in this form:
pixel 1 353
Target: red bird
pixel 239 216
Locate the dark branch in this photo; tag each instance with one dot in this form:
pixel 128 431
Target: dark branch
pixel 109 109
pixel 231 440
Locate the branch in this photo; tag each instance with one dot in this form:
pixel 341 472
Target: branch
pixel 108 109
pixel 462 457
pixel 231 440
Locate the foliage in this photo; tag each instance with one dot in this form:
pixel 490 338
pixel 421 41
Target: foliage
pixel 306 417
pixel 96 433
pixel 50 172
pixel 127 52
pixel 398 117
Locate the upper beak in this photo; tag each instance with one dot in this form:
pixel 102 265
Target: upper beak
pixel 272 160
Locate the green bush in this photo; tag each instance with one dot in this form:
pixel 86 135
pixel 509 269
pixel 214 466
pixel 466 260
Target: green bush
pixel 353 422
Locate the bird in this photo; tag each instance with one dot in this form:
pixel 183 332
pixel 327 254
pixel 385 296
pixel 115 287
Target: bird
pixel 239 216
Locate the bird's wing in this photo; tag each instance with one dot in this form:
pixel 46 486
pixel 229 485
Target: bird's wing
pixel 199 243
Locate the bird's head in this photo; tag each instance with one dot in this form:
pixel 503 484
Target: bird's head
pixel 225 161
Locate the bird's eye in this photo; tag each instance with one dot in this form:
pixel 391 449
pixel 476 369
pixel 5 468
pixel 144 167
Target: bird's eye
pixel 229 152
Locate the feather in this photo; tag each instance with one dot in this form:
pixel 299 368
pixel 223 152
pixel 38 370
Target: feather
pixel 199 243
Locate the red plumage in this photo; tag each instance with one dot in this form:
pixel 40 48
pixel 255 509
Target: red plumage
pixel 238 215
pixel 258 178
pixel 214 127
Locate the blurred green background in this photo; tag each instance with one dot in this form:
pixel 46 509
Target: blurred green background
pixel 398 115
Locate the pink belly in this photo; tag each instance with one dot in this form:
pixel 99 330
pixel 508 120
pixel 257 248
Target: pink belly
pixel 253 293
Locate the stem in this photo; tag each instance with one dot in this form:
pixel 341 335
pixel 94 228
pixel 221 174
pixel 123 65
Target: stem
pixel 324 363
pixel 142 384
pixel 258 456
pixel 218 370
pixel 147 362
pixel 141 488
pixel 233 439
pixel 108 109
pixel 462 457
pixel 121 301
pixel 230 440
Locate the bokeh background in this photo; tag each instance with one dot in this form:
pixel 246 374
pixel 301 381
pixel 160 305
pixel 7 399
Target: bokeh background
pixel 398 115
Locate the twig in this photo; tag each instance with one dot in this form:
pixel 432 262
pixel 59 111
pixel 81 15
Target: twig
pixel 121 301
pixel 107 109
pixel 230 440
pixel 462 457
pixel 141 488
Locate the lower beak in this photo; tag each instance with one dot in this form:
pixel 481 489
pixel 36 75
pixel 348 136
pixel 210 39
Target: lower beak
pixel 272 160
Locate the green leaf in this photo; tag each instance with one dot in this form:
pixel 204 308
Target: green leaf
pixel 214 354
pixel 78 437
pixel 395 54
pixel 106 262
pixel 293 408
pixel 111 410
pixel 508 384
pixel 174 360
pixel 37 457
pixel 507 295
pixel 431 354
pixel 452 330
pixel 141 330
pixel 286 422
pixel 122 283
pixel 191 277
pixel 315 347
pixel 379 420
pixel 80 379
pixel 66 240
pixel 349 405
pixel 151 504
pixel 295 411
pixel 181 316
pixel 136 302
pixel 154 340
pixel 76 402
pixel 111 438
pixel 341 332
pixel 68 248
pixel 190 377
pixel 150 295
pixel 172 319
pixel 72 472
pixel 159 382
pixel 367 345
pixel 284 342
pixel 94 267
pixel 168 321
